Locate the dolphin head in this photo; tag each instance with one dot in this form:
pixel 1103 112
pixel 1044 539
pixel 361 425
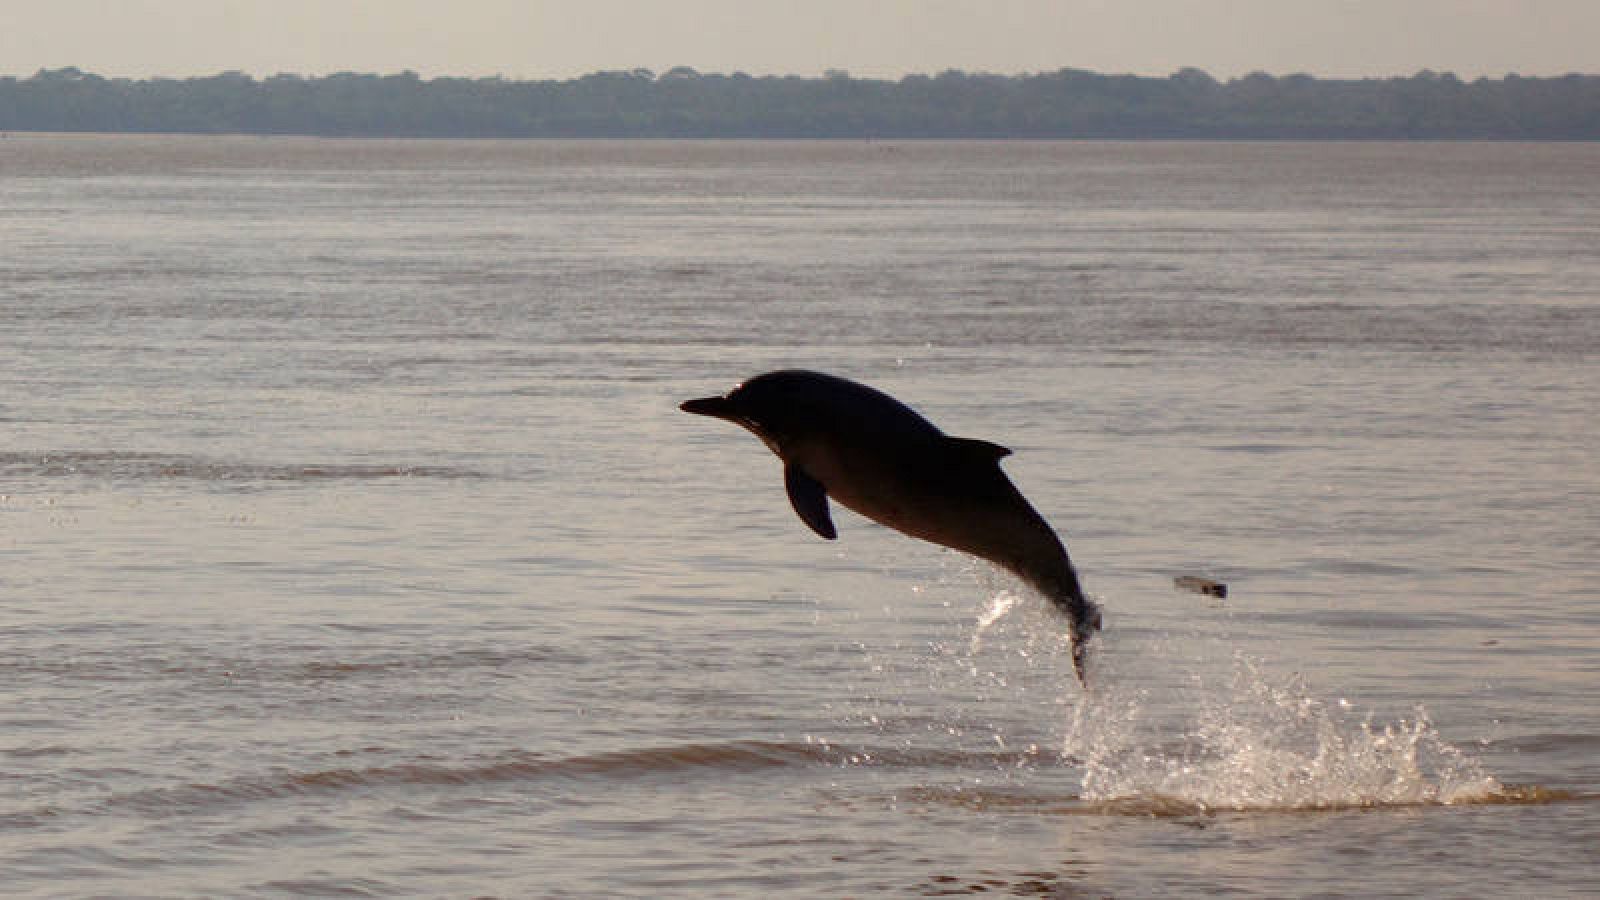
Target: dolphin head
pixel 775 407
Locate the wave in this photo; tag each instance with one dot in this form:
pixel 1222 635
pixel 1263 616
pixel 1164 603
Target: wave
pixel 712 759
pixel 734 757
pixel 986 798
pixel 725 759
pixel 1163 806
pixel 743 757
pixel 134 466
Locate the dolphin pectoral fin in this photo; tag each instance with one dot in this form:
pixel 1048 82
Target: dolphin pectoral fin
pixel 809 499
pixel 979 449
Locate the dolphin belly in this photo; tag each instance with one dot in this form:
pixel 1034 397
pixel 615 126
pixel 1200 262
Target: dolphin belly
pixel 953 493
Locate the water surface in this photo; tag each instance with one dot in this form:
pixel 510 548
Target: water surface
pixel 354 545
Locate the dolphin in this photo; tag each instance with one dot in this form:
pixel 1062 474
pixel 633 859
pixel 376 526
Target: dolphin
pixel 875 455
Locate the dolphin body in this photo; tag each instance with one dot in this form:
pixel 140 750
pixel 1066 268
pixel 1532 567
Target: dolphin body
pixel 875 455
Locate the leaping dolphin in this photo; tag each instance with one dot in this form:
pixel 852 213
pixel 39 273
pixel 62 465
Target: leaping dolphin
pixel 877 456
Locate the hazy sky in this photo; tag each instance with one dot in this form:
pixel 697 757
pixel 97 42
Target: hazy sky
pixel 884 38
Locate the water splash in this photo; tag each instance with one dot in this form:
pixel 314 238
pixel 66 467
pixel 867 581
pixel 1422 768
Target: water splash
pixel 1000 603
pixel 1258 744
pixel 1175 723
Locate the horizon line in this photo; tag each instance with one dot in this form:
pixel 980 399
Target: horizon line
pixel 685 71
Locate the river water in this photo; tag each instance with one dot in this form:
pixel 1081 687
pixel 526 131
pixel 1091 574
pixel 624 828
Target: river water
pixel 352 544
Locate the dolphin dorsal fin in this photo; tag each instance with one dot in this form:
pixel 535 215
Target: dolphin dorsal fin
pixel 809 499
pixel 979 449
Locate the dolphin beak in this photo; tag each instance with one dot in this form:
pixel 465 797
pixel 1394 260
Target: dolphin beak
pixel 717 407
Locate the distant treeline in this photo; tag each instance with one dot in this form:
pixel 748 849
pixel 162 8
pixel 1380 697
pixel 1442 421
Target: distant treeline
pixel 683 103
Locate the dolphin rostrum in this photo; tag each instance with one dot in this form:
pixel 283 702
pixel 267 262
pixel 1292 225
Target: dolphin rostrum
pixel 873 454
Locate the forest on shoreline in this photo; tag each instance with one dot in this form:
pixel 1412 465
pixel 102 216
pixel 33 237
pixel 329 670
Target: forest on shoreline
pixel 683 103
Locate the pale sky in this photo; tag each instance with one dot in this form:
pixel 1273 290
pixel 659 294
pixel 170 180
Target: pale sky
pixel 878 38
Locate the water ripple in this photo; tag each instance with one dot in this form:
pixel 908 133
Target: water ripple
pixel 135 466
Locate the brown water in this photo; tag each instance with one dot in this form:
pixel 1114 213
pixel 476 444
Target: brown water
pixel 353 544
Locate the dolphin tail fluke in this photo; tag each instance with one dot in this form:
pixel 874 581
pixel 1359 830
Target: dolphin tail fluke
pixel 1058 582
pixel 1085 622
pixel 1083 618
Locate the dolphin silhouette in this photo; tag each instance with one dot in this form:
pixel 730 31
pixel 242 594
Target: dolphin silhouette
pixel 877 456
